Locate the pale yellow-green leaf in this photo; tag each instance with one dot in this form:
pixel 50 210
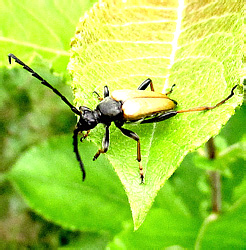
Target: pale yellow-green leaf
pixel 197 45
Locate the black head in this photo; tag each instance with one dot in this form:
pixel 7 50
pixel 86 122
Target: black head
pixel 88 118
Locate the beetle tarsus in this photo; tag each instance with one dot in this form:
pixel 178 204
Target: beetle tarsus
pixel 97 154
pixel 142 180
pixel 141 173
pixel 98 96
pixel 85 135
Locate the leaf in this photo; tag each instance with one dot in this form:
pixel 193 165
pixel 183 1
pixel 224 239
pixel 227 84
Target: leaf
pixel 158 232
pixel 89 241
pixel 196 46
pixel 176 219
pixel 40 26
pixel 49 179
pixel 223 159
pixel 227 231
pixel 236 123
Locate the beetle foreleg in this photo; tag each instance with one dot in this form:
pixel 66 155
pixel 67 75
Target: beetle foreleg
pixel 76 151
pixel 105 144
pixel 85 135
pixel 105 93
pixel 145 84
pixel 135 137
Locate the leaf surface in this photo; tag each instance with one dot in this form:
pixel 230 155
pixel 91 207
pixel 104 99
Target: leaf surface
pixel 49 179
pixel 39 27
pixel 197 46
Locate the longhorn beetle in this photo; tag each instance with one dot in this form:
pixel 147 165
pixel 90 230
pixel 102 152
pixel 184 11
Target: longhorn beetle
pixel 120 107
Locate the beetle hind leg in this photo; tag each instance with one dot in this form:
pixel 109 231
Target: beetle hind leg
pixel 161 117
pixel 204 108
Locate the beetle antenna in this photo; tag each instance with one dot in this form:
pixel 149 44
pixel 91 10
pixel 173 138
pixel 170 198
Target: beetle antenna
pixel 44 82
pixel 76 151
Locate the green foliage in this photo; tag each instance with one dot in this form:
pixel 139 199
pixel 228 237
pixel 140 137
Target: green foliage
pixel 188 232
pixel 26 116
pixel 121 44
pixel 47 175
pixel 39 27
pixel 51 183
pixel 49 179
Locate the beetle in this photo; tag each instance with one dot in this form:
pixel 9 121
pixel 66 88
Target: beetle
pixel 122 106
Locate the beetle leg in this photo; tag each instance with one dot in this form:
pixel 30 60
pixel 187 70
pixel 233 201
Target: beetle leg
pixel 161 117
pixel 145 84
pixel 209 107
pixel 106 91
pixel 172 113
pixel 85 135
pixel 98 96
pixel 135 137
pixel 76 151
pixel 105 144
pixel 171 90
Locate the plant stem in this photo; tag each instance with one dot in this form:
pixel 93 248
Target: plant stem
pixel 215 179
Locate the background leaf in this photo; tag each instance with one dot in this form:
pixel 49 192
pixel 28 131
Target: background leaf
pixel 39 27
pixel 50 180
pixel 198 46
pixel 26 116
pixel 227 230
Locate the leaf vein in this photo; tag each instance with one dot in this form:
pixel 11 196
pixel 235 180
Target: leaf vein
pixel 34 46
pixel 141 23
pixel 134 42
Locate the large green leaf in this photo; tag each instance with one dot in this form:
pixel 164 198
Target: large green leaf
pixel 198 46
pixel 165 228
pixel 178 230
pixel 42 27
pixel 49 179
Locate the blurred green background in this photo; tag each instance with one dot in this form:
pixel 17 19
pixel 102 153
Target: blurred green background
pixel 39 33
